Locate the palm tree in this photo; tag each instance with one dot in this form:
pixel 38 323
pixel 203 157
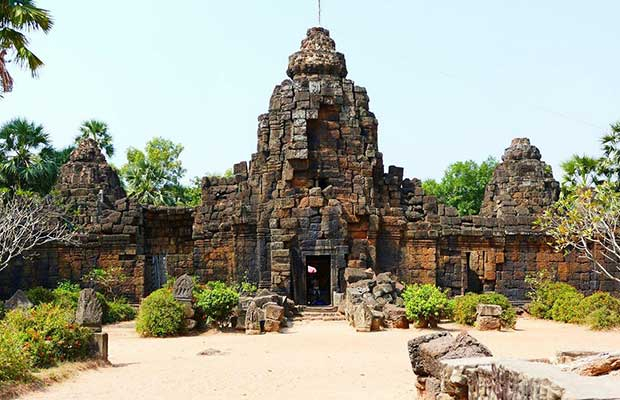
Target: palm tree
pixel 580 171
pixel 26 161
pixel 610 164
pixel 16 19
pixel 98 131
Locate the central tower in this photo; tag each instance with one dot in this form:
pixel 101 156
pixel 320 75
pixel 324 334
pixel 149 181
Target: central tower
pixel 307 198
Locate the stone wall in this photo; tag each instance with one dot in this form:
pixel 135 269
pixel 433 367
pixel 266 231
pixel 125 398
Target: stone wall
pixel 315 187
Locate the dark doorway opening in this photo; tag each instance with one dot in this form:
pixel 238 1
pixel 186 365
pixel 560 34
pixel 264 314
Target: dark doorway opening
pixel 474 283
pixel 319 283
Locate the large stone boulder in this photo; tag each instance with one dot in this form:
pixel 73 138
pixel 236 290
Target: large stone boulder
pixel 488 317
pixel 89 311
pixel 429 353
pixel 18 300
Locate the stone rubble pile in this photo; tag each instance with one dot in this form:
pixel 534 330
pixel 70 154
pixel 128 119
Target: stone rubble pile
pixel 373 301
pixel 266 311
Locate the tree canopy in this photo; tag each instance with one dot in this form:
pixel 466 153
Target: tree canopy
pixel 98 131
pixel 462 185
pixel 27 159
pixel 17 18
pixel 153 176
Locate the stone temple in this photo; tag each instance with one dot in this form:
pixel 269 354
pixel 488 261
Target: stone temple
pixel 315 193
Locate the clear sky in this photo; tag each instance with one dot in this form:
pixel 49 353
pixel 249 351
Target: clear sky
pixel 448 80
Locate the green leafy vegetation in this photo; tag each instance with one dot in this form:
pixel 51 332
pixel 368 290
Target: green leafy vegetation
pixel 160 315
pixel 67 294
pixel 425 304
pixel 562 302
pixel 153 176
pixel 118 310
pixel 97 131
pixel 462 185
pixel 217 302
pixel 465 308
pixel 46 334
pixel 17 19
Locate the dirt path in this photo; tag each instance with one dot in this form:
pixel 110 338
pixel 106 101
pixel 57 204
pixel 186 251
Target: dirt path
pixel 326 360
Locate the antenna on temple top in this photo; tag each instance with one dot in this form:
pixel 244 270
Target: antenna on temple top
pixel 319 12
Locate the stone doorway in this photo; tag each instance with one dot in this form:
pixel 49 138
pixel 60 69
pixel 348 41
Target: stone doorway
pixel 319 285
pixel 470 279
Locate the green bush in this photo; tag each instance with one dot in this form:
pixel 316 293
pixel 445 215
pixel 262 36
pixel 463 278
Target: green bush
pixel 160 315
pixel 14 362
pixel 40 295
pixel 2 310
pixel 545 296
pixel 217 302
pixel 600 311
pixel 465 308
pixel 425 304
pixel 566 307
pixel 47 334
pixel 602 319
pixel 118 311
pixel 66 295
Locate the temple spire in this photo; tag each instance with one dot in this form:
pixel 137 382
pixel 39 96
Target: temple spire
pixel 319 12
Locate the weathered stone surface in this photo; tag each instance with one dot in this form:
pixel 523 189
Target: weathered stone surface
pixel 89 312
pixel 488 310
pixel 317 186
pixel 183 288
pixel 272 325
pixel 594 364
pixel 18 300
pixel 274 312
pixel 488 323
pixel 252 320
pixel 426 352
pixel 362 318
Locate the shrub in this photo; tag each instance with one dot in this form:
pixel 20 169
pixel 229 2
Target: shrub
pixel 217 301
pixel 425 304
pixel 546 295
pixel 118 311
pixel 109 281
pixel 2 310
pixel 66 295
pixel 160 315
pixel 600 311
pixel 47 334
pixel 40 295
pixel 566 307
pixel 465 308
pixel 603 318
pixel 14 362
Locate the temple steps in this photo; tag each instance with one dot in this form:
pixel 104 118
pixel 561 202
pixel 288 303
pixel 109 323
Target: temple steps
pixel 323 313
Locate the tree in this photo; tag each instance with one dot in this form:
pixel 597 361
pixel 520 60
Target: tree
pixel 98 131
pixel 586 222
pixel 27 222
pixel 580 171
pixel 26 157
pixel 463 185
pixel 18 17
pixel 153 176
pixel 609 165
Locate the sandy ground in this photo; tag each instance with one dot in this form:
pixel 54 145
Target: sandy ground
pixel 310 360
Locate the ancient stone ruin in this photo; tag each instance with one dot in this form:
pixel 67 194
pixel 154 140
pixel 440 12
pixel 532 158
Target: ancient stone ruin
pixel 461 368
pixel 315 194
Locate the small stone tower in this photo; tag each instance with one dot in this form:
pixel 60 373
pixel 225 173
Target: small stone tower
pixel 522 186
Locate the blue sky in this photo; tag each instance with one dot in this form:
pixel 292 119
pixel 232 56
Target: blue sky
pixel 448 80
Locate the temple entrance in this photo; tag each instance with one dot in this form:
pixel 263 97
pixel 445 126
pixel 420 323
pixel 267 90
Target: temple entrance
pixel 470 280
pixel 319 282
